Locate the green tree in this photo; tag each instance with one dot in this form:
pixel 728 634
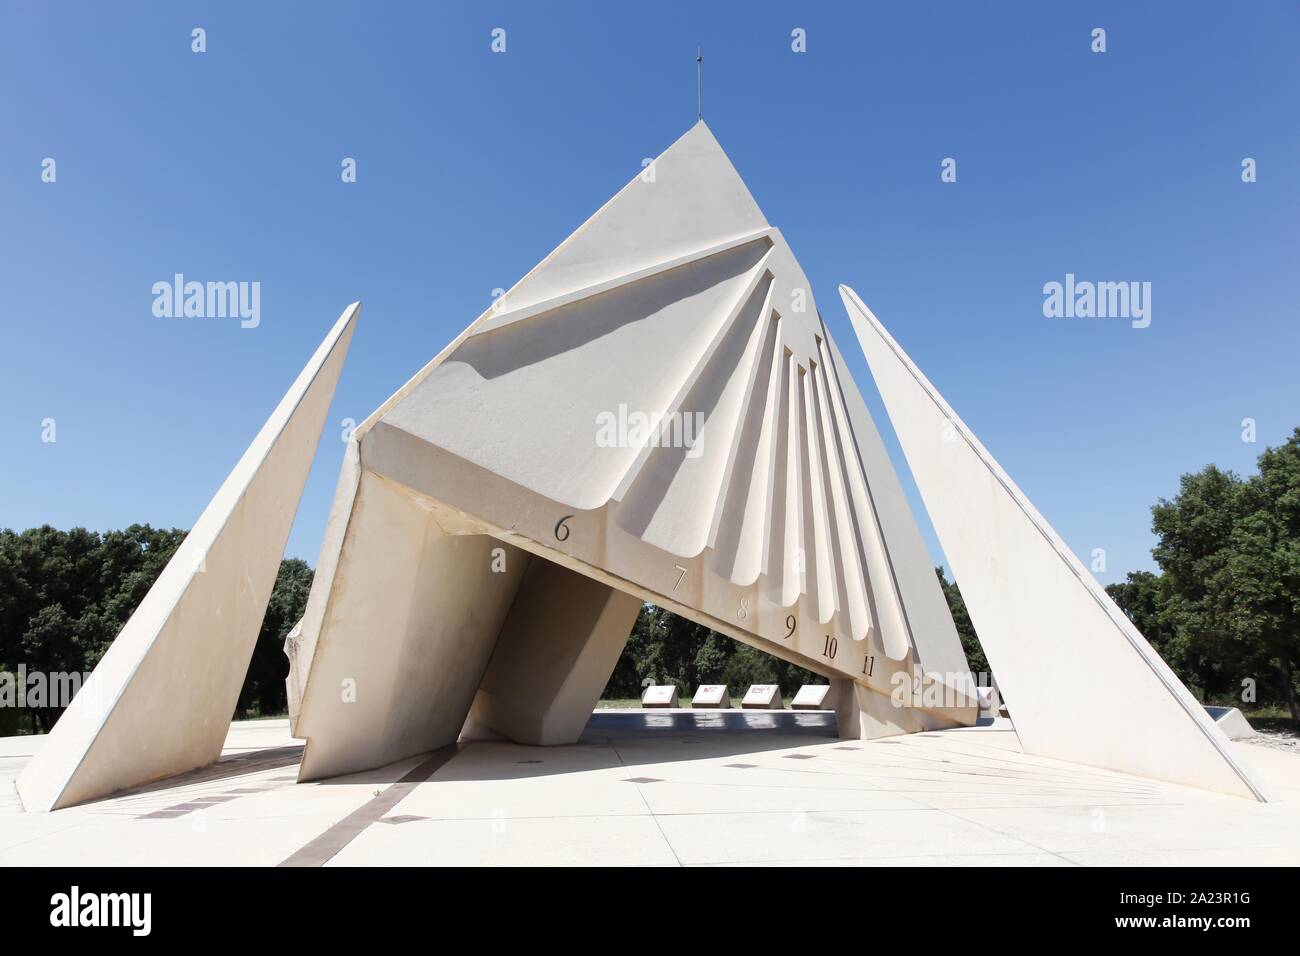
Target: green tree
pixel 970 642
pixel 1226 608
pixel 1259 595
pixel 1139 597
pixel 1194 532
pixel 664 648
pixel 65 595
pixel 264 692
pixel 625 681
pixel 68 593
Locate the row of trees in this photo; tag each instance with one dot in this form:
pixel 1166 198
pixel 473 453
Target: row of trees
pixel 64 595
pixel 1224 612
pixel 667 649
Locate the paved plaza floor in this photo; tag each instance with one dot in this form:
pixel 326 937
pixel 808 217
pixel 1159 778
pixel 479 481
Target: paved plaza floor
pixel 667 788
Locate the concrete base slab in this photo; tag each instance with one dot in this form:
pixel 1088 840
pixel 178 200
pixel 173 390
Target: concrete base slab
pixel 668 788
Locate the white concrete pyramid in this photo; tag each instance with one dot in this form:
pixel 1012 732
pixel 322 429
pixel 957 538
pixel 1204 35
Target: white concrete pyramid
pixel 781 524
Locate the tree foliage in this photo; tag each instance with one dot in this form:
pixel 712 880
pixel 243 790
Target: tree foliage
pixel 64 595
pixel 667 649
pixel 970 642
pixel 263 691
pixel 1225 611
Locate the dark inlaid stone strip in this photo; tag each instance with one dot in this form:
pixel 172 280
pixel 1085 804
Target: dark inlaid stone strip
pixel 321 849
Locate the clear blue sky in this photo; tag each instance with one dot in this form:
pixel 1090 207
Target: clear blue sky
pixel 472 166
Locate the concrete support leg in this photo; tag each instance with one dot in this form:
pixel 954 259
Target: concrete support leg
pixel 864 714
pixel 411 621
pixel 559 644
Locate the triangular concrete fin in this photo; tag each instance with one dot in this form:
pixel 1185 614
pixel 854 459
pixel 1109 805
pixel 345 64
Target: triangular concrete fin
pixel 159 702
pixel 1081 683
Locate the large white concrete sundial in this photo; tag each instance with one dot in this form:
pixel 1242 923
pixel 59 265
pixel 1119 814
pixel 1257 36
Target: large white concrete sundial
pixel 656 412
pixel 761 504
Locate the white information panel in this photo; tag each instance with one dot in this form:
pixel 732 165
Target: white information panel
pixel 660 695
pixel 763 697
pixel 811 697
pixel 711 695
pixel 989 702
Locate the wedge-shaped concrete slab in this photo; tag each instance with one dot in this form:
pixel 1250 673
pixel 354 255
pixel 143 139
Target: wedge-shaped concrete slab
pixel 1081 682
pixel 159 702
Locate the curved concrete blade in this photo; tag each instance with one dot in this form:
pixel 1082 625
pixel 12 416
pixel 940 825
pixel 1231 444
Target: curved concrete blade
pixel 161 699
pixel 1081 682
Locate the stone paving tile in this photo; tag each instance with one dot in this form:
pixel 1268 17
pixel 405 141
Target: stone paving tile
pixel 952 798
